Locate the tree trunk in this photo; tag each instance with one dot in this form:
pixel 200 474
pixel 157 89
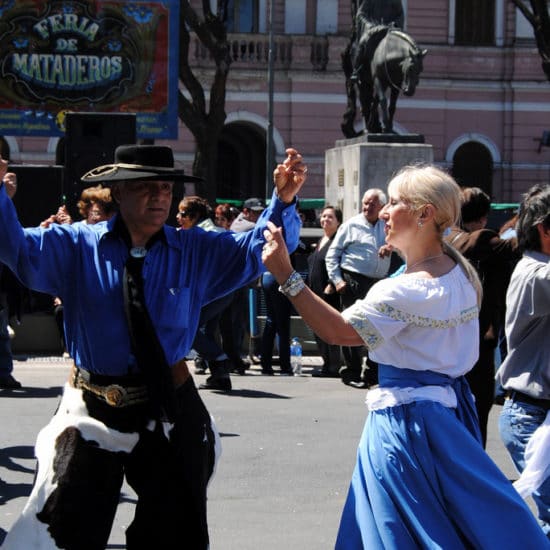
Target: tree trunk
pixel 206 124
pixel 539 19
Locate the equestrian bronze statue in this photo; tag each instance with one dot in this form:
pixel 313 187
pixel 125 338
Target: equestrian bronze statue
pixel 381 60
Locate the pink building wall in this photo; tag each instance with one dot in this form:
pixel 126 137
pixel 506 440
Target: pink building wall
pixel 495 96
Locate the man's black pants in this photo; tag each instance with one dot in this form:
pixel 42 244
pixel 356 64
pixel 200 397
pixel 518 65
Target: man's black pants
pixel 357 286
pixel 83 456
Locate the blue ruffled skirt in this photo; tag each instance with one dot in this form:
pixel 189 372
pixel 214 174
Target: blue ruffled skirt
pixel 423 480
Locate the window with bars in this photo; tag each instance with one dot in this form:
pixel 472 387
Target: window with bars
pixel 475 22
pixel 242 16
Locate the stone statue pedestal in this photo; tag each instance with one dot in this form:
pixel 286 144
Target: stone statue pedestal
pixel 355 165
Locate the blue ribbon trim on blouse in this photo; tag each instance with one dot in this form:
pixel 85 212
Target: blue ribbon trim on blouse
pixel 390 376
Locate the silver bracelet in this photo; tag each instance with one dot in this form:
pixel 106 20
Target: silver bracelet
pixel 293 285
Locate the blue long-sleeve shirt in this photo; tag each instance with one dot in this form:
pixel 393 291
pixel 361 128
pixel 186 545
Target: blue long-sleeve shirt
pixel 84 265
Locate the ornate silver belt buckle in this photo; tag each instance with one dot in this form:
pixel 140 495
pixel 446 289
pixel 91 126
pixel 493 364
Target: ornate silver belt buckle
pixel 115 395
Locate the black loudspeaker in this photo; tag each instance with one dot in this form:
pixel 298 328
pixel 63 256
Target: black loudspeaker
pixel 39 192
pixel 90 141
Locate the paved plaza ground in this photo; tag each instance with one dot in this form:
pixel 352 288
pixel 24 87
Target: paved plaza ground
pixel 288 452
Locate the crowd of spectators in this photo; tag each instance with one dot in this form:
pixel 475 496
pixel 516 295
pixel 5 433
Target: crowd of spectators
pixel 349 257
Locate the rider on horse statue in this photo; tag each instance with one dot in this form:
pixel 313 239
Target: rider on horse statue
pixel 372 21
pixel 380 62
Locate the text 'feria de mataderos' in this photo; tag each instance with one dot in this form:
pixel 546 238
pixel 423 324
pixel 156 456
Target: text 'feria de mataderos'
pixel 70 52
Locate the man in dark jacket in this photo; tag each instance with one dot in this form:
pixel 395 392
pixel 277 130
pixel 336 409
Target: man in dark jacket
pixel 493 259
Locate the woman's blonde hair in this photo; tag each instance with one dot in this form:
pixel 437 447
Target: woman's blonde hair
pixel 423 184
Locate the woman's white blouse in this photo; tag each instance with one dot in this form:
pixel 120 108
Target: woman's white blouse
pixel 421 324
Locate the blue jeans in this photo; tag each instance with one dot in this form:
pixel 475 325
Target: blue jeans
pixel 6 361
pixel 517 423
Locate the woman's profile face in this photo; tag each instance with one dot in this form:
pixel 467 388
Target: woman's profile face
pixel 401 221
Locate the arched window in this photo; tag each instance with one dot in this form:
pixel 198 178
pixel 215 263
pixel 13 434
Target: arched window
pixel 473 166
pixel 475 22
pixel 242 150
pixel 242 16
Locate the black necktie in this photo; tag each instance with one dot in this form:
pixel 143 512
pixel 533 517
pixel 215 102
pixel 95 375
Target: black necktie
pixel 145 343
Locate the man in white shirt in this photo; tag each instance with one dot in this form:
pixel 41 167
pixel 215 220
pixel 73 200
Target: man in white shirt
pixel 354 264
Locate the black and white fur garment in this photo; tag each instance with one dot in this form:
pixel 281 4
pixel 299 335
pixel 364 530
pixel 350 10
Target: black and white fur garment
pixel 71 426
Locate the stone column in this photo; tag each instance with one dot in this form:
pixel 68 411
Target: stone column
pixel 355 165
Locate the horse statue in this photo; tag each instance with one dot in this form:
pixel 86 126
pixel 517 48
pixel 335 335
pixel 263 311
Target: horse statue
pixel 394 62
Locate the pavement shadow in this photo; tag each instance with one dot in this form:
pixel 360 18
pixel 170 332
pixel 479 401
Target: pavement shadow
pixel 7 454
pixel 9 491
pixel 30 391
pixel 252 394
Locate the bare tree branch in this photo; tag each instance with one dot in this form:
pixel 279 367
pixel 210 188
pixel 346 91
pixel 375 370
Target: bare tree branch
pixel 524 10
pixel 539 19
pixel 204 121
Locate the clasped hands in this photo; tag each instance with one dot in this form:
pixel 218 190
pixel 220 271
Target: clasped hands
pixel 289 176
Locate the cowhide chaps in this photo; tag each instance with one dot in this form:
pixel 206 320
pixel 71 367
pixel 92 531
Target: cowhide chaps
pixel 85 452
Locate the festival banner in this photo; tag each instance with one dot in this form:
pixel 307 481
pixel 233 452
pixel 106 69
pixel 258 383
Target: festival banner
pixel 91 56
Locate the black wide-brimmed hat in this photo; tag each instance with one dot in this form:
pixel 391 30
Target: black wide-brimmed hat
pixel 139 162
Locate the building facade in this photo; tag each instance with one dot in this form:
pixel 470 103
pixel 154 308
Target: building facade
pixel 482 101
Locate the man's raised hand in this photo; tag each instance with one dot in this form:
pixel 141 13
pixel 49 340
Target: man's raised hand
pixel 290 175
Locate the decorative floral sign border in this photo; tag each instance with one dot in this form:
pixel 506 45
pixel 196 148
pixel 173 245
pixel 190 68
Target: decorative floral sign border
pixel 93 56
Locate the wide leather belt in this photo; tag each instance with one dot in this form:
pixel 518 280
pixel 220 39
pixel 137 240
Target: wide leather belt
pixel 115 395
pixel 125 391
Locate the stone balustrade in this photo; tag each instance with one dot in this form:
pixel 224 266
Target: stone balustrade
pixel 291 52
